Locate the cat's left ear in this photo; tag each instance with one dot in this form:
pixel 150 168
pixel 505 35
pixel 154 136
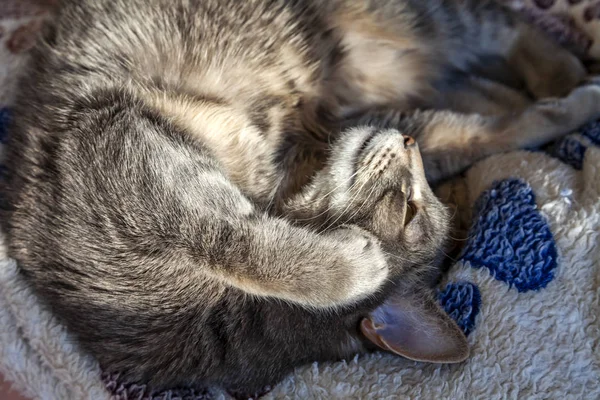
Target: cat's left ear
pixel 414 326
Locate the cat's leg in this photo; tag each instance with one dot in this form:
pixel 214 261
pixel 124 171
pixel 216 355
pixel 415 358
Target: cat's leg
pixel 487 28
pixel 395 51
pixel 451 142
pixel 478 95
pixel 271 258
pixel 153 194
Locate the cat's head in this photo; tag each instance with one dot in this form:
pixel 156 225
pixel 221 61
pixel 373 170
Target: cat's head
pixel 381 185
pixel 376 180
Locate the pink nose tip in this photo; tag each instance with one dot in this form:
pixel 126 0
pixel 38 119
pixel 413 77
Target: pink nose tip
pixel 408 140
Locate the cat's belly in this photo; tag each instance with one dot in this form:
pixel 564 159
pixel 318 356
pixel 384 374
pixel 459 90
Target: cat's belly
pixel 245 153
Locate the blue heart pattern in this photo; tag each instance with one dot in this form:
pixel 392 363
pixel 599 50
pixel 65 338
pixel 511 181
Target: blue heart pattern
pixel 461 301
pixel 512 240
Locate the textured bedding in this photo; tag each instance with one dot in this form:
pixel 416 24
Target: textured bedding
pixel 525 288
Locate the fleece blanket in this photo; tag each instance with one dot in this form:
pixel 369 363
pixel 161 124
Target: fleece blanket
pixel 525 288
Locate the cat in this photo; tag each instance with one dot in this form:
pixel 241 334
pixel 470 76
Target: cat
pixel 213 192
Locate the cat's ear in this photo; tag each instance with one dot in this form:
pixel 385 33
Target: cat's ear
pixel 414 326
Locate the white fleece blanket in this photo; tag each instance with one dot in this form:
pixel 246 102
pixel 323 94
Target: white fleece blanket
pixel 526 289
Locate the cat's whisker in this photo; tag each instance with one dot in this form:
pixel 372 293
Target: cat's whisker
pixel 396 256
pixel 460 240
pixel 357 212
pixel 455 212
pixel 350 202
pixel 271 201
pixel 345 209
pixel 323 197
pixel 441 250
pixel 326 211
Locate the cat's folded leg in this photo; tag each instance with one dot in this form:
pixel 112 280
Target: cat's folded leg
pixel 547 69
pixel 451 142
pixel 272 258
pixel 486 27
pixel 177 209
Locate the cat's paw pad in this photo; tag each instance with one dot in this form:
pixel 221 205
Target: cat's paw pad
pixel 510 237
pixel 581 151
pixel 592 132
pixel 570 150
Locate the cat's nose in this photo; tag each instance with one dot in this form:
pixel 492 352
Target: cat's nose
pixel 409 141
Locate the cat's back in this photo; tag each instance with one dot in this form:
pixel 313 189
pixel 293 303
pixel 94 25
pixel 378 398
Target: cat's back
pixel 221 48
pixel 85 123
pixel 212 67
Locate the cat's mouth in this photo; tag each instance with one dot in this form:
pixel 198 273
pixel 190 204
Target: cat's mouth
pixel 407 206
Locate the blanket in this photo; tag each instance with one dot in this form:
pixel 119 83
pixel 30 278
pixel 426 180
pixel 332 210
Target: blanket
pixel 525 288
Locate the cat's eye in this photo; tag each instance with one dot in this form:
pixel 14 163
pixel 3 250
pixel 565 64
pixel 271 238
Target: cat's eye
pixel 411 209
pixel 409 194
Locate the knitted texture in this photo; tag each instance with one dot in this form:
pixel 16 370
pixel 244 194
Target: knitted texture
pixel 462 301
pixel 130 391
pixel 592 132
pixel 511 238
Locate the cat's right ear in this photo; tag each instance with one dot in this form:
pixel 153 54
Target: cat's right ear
pixel 414 326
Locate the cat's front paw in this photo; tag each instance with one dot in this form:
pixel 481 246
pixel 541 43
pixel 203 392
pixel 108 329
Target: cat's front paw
pixel 364 264
pixel 551 119
pixel 584 101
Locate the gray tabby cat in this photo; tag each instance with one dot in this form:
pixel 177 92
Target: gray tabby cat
pixel 214 192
